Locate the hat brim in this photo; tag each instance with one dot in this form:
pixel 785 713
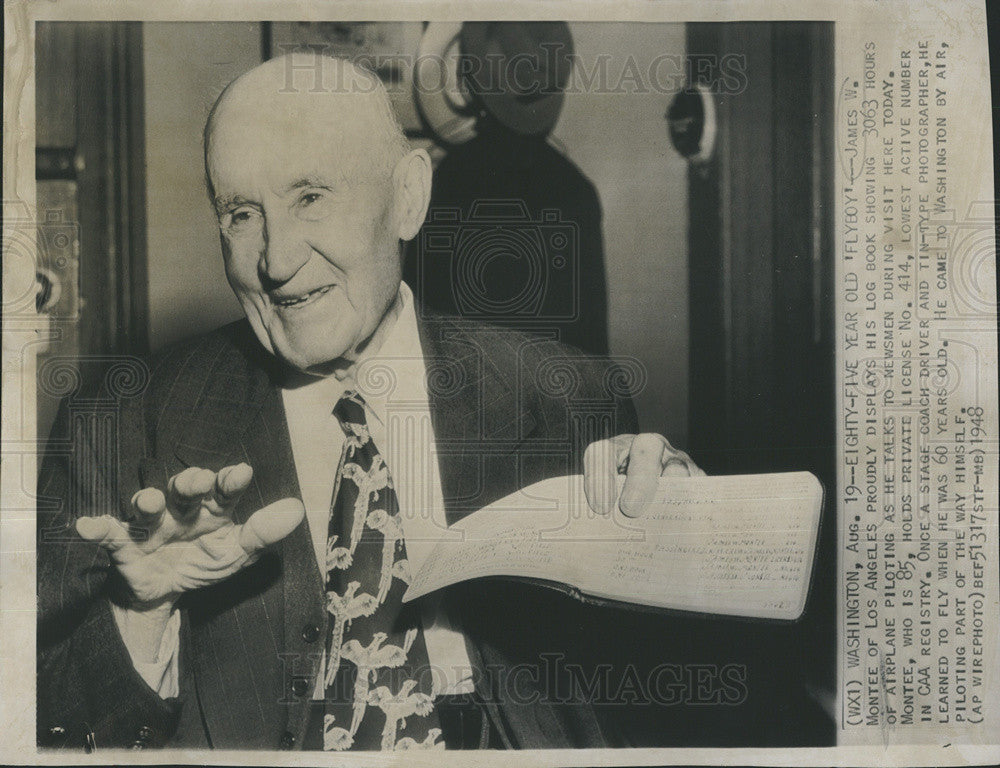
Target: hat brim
pixel 436 88
pixel 530 118
pixel 533 114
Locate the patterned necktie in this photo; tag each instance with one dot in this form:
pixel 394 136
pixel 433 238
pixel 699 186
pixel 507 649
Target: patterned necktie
pixel 378 677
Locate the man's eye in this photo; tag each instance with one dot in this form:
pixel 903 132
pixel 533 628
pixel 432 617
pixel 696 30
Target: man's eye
pixel 240 220
pixel 312 205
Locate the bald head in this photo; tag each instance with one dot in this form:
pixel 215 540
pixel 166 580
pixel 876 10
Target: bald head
pixel 315 189
pixel 326 104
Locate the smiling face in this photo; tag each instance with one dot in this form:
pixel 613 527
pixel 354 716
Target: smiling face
pixel 313 193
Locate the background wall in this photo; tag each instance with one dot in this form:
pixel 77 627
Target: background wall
pixel 618 139
pixel 186 67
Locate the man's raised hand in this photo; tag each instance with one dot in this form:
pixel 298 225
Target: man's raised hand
pixel 186 538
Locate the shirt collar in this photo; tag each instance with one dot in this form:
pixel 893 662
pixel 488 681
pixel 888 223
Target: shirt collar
pixel 391 376
pixel 394 375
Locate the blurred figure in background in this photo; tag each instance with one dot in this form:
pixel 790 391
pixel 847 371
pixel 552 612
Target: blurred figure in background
pixel 513 234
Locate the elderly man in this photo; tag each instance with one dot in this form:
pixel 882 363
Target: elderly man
pixel 229 572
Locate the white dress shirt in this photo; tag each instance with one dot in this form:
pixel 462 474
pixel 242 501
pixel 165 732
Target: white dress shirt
pixel 392 382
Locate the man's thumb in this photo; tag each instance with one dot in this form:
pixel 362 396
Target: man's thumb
pixel 104 530
pixel 270 524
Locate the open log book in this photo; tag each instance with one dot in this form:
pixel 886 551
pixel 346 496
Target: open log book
pixel 738 545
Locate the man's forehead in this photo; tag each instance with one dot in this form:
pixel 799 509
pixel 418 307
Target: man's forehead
pixel 278 146
pixel 282 172
pixel 270 128
pixel 270 116
pixel 340 96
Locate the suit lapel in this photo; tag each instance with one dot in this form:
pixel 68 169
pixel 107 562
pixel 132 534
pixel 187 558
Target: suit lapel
pixel 302 604
pixel 482 411
pixel 259 615
pixel 270 612
pixel 478 413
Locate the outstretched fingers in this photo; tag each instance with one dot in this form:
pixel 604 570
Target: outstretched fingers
pixel 271 524
pixel 148 505
pixel 108 532
pixel 230 484
pixel 187 489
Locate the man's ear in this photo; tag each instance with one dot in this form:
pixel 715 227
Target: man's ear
pixel 412 181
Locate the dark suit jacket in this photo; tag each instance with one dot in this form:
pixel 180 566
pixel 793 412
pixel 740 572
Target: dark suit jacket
pixel 507 410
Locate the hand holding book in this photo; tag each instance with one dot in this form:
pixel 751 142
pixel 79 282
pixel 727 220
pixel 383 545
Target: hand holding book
pixel 740 545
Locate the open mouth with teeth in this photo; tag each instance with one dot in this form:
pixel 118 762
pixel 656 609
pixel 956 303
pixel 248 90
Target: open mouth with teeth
pixel 287 302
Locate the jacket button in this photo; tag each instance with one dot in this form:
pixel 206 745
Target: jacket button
pixel 310 633
pixel 287 740
pixel 146 733
pixel 300 686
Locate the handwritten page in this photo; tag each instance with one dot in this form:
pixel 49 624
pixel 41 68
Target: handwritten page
pixel 738 545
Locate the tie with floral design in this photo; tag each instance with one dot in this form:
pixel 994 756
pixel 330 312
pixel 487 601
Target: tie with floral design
pixel 377 677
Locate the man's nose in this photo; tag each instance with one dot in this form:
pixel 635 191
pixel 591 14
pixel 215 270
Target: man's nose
pixel 285 250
